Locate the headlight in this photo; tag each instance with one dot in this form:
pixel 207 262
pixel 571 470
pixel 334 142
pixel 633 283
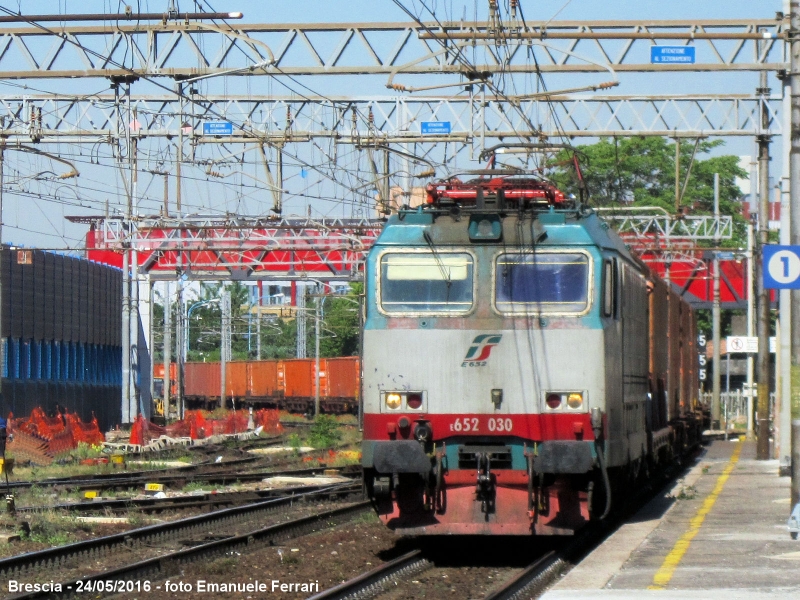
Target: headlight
pixel 563 400
pixel 575 401
pixel 394 401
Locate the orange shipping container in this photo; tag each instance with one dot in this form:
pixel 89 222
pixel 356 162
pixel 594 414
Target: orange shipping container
pixel 201 380
pixel 236 379
pixel 262 377
pixel 341 377
pixel 296 377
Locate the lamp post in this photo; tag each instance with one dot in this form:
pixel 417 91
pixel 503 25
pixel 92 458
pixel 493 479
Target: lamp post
pixel 188 316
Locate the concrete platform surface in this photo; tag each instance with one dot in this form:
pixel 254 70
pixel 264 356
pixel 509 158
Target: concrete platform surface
pixel 720 532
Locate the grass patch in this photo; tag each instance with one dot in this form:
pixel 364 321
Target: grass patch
pixel 223 566
pixel 324 433
pixel 52 529
pixel 688 492
pixel 194 486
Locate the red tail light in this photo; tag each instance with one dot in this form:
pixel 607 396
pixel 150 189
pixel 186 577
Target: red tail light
pixel 554 401
pixel 414 401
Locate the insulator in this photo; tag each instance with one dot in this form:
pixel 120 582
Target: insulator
pixel 40 118
pixel 371 117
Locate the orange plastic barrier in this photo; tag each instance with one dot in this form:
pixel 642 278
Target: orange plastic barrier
pixel 40 438
pixel 197 426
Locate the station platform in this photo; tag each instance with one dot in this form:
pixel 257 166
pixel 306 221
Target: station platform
pixel 719 533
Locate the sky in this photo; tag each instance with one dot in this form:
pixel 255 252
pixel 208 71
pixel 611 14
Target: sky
pixel 35 204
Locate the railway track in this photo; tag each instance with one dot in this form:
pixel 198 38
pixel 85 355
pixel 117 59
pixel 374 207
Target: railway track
pixel 192 530
pixel 139 478
pixel 154 505
pixel 102 478
pixel 116 580
pixel 521 583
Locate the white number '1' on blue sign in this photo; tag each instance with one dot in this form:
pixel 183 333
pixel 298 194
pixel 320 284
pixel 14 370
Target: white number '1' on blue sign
pixel 781 267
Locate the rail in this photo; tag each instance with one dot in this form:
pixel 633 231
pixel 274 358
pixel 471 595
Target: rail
pixel 372 581
pixel 166 564
pixel 17 566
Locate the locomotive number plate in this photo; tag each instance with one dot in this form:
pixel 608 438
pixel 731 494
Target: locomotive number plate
pixel 475 425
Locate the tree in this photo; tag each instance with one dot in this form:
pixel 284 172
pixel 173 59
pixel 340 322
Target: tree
pixel 641 170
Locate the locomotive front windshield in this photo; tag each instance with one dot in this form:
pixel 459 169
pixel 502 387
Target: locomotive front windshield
pixel 426 282
pixel 543 282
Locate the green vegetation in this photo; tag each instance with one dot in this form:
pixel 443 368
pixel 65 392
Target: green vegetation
pixel 339 328
pixel 294 442
pixel 48 527
pixel 84 451
pixel 324 433
pixel 641 171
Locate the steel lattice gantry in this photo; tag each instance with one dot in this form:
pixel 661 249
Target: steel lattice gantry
pixel 188 49
pixel 225 248
pixel 387 119
pixel 236 248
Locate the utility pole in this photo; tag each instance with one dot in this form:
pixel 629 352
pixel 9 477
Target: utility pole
pixel 126 337
pixel 179 358
pixel 677 174
pixel 316 354
pixel 300 319
pixel 167 349
pixel 223 349
pixel 258 319
pixel 762 401
pixel 715 322
pixel 134 278
pixel 794 200
pixel 180 152
pixel 751 254
pixel 150 329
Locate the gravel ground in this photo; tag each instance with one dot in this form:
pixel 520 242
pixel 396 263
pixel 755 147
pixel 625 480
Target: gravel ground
pixel 79 567
pixel 327 557
pixel 466 568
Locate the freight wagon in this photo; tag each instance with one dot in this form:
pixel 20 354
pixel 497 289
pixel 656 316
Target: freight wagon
pixel 289 384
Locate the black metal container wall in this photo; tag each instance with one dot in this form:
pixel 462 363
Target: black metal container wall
pixel 61 333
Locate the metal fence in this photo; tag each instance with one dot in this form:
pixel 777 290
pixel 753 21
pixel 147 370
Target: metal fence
pixel 733 409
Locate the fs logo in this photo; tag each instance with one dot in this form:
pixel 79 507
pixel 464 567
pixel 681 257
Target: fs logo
pixel 480 349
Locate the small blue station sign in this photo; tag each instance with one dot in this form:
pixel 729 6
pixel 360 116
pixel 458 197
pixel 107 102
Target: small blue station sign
pixel 217 128
pixel 781 267
pixel 435 127
pixel 666 55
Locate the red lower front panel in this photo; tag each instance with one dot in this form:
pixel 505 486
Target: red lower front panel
pixel 559 509
pixel 534 427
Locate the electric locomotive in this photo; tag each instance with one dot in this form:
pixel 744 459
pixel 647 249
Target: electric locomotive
pixel 519 372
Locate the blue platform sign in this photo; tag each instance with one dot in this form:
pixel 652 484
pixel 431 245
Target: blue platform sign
pixel 217 128
pixel 672 55
pixel 781 267
pixel 435 127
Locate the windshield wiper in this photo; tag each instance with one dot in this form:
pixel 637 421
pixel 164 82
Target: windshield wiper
pixel 439 263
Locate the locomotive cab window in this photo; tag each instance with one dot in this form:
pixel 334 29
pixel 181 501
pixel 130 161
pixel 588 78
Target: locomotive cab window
pixel 546 282
pixel 440 282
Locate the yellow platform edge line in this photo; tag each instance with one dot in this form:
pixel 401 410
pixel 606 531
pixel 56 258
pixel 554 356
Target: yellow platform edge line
pixel 673 559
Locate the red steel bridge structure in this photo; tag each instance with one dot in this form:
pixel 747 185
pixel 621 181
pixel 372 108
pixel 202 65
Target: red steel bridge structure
pixel 286 249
